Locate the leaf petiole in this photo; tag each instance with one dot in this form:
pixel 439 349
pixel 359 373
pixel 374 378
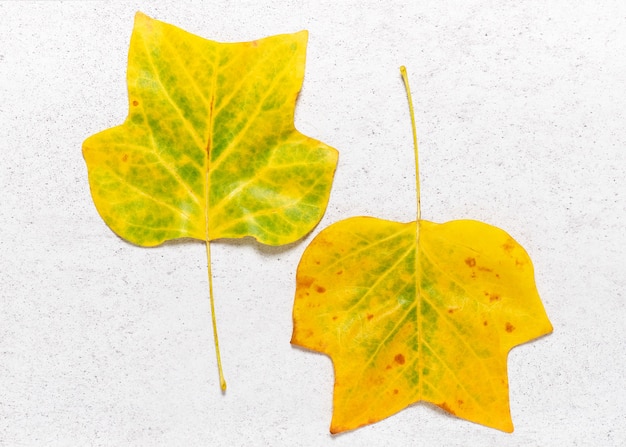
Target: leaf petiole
pixel 405 78
pixel 214 320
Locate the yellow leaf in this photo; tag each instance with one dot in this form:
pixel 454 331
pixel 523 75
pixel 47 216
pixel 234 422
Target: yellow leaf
pixel 417 311
pixel 209 149
pixel 406 321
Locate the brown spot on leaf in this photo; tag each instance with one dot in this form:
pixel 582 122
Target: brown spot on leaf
pixel 304 281
pixel 370 316
pixel 460 402
pixel 320 289
pixel 485 269
pixel 399 359
pixel 395 391
pixel 318 262
pixel 494 297
pixel 340 272
pixel 509 327
pixel 135 103
pixel 451 310
pixel 125 157
pixel 446 407
pixel 388 367
pixel 508 246
pixel 485 323
pixel 471 262
pixel 335 318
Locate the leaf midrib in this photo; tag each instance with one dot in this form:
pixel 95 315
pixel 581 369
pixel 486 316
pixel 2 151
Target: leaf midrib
pixel 209 146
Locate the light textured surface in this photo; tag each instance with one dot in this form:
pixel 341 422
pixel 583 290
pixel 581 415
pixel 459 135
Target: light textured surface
pixel 521 118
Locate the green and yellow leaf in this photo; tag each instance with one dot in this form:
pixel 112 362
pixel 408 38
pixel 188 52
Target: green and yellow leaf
pixel 209 149
pixel 409 314
pixel 417 311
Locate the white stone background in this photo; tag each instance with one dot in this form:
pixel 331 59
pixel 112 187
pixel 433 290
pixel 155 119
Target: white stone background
pixel 521 117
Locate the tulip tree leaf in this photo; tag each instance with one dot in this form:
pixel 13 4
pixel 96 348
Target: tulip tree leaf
pixel 209 149
pixel 417 311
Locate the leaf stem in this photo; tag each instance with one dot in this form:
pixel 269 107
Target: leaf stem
pixel 405 78
pixel 212 300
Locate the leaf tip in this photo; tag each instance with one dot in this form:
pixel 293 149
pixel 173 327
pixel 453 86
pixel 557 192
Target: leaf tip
pixel 334 430
pixel 140 16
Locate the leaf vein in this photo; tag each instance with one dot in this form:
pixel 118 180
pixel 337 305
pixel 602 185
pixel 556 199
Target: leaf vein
pixel 192 131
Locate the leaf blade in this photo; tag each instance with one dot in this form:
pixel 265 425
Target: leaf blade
pixel 199 127
pixel 420 332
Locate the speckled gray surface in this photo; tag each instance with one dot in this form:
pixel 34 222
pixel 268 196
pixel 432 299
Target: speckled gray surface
pixel 521 117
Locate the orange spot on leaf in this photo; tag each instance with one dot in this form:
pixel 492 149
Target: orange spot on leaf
pixel 305 281
pixel 508 246
pixel 445 406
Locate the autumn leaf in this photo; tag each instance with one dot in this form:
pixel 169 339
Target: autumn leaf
pixel 417 311
pixel 209 149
